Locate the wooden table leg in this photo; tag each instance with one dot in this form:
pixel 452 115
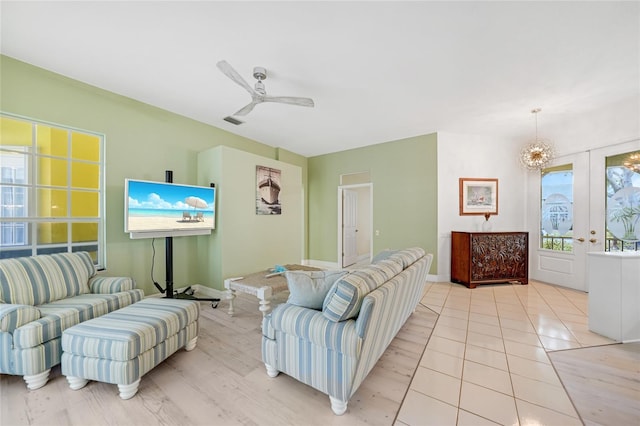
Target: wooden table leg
pixel 231 293
pixel 264 295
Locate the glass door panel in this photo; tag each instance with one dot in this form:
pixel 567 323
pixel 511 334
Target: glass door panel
pixel 556 210
pixel 623 202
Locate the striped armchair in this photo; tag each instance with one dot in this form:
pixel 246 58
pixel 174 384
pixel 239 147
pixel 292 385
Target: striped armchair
pixel 40 296
pixel 334 349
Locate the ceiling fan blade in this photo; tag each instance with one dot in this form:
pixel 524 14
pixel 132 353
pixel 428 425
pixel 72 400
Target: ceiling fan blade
pixel 307 102
pixel 230 72
pixel 248 108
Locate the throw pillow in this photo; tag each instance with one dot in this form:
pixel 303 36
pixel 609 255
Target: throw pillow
pixel 309 288
pixel 344 299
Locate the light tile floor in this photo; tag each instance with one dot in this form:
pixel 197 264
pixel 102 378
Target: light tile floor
pixel 486 361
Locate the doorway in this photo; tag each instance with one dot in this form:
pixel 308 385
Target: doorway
pixel 567 216
pixel 355 223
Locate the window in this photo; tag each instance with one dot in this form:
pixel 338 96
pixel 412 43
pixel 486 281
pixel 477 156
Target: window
pixel 51 189
pixel 623 202
pixel 556 227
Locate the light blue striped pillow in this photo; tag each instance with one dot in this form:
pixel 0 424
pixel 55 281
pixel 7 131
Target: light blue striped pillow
pixel 345 297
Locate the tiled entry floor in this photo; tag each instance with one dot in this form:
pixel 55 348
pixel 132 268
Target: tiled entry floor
pixel 486 361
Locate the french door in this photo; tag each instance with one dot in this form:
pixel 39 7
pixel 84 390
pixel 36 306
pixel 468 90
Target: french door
pixel 567 214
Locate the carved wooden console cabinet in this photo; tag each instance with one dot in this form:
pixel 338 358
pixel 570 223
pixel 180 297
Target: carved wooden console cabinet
pixel 489 257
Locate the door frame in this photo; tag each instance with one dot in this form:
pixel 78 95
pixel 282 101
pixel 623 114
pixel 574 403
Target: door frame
pixel 340 217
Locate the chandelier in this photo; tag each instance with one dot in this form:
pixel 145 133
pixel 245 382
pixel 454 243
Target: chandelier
pixel 536 155
pixel 632 162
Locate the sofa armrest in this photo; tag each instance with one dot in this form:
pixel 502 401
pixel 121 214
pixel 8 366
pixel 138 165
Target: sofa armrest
pixel 110 285
pixel 310 325
pixel 13 316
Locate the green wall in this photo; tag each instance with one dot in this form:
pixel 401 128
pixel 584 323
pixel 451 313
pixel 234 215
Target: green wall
pixel 245 241
pixel 141 142
pixel 404 177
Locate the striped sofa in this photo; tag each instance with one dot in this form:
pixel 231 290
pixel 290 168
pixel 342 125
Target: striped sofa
pixel 40 296
pixel 334 349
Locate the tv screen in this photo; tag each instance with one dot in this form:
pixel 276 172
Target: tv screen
pixel 162 209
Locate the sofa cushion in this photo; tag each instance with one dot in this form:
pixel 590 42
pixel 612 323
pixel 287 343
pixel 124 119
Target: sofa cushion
pixel 408 256
pixel 124 334
pixel 384 254
pixel 42 279
pixel 14 316
pixel 309 288
pixel 345 297
pixel 62 314
pixel 104 285
pixel 311 326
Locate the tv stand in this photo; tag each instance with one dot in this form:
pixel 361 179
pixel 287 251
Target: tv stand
pixel 188 295
pixel 168 253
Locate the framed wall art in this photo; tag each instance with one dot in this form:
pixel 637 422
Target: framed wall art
pixel 478 196
pixel 268 189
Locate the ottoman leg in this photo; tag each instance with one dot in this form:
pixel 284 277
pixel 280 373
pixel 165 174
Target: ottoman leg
pixel 128 391
pixel 191 344
pixel 76 383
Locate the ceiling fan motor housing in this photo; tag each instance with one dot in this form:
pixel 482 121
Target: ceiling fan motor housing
pixel 259 73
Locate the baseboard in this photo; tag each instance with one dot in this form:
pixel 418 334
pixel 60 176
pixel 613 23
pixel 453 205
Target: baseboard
pixel 204 291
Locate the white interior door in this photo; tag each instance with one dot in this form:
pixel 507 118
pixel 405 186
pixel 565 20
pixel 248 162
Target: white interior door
pixel 349 227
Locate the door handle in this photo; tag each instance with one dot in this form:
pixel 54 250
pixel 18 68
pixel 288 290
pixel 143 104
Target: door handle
pixel 592 240
pixel 581 239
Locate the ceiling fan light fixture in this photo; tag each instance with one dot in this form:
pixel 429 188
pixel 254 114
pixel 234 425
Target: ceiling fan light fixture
pixel 537 154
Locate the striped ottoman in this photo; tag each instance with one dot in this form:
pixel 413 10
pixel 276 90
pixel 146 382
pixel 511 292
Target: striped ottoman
pixel 123 345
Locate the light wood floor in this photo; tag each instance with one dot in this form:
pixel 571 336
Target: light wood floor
pixel 603 382
pixel 222 382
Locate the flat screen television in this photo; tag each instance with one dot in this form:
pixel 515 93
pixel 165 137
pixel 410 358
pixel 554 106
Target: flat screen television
pixel 162 209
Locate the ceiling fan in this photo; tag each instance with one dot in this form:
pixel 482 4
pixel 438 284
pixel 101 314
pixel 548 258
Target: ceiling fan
pixel 258 93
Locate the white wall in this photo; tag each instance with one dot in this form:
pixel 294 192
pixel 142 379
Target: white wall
pixel 473 156
pixel 571 133
pixel 487 157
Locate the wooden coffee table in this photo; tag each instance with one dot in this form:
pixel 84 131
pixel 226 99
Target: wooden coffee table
pixel 261 284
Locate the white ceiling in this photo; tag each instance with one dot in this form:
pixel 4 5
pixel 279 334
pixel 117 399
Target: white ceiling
pixel 377 71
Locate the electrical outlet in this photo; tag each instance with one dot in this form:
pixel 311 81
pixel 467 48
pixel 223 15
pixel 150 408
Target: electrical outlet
pixel 377 232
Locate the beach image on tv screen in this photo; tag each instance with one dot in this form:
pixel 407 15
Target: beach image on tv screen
pixel 155 206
